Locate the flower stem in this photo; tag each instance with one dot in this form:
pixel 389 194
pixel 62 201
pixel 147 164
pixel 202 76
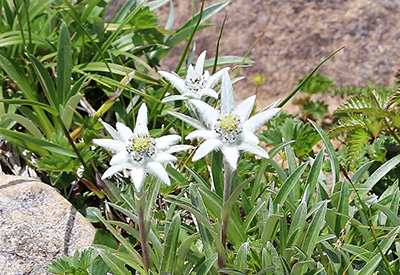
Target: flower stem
pixel 225 210
pixel 140 206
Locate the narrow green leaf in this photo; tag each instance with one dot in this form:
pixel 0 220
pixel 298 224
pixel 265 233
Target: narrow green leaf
pixel 183 251
pixel 27 102
pixel 46 82
pixel 64 64
pixel 24 122
pixel 107 44
pixel 314 229
pixel 291 159
pixel 288 185
pixel 277 168
pixel 379 174
pixel 297 227
pixel 389 213
pixel 227 60
pixel 170 246
pixel 217 171
pixel 200 217
pixel 307 77
pixel 152 235
pixel 331 152
pixel 315 171
pixel 343 208
pixel 241 258
pixel 114 263
pixel 207 13
pixel 25 85
pixel 131 250
pixel 34 144
pixel 67 112
pixel 276 259
pixel 206 237
pixel 187 119
pixel 357 251
pixel 206 266
pixel 251 215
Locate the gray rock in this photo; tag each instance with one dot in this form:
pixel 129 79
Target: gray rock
pixel 37 225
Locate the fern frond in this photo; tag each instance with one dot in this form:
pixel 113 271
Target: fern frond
pixel 356 142
pixel 394 100
pixel 381 98
pixel 360 104
pixel 348 124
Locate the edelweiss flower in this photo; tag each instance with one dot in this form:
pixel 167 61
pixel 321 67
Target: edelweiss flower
pixel 198 83
pixel 230 129
pixel 138 152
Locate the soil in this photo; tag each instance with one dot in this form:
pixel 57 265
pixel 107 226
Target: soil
pixel 295 37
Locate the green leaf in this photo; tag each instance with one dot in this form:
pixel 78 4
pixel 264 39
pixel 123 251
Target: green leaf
pixel 316 225
pixel 291 159
pixel 25 85
pixel 200 217
pixel 379 174
pixel 250 216
pixel 298 225
pixel 241 258
pixel 183 251
pixel 206 266
pixel 64 64
pixel 206 237
pixel 27 102
pixel 357 251
pixel 34 144
pixel 170 246
pixel 356 141
pixel 24 122
pixel 116 265
pixel 67 112
pixel 315 172
pixel 289 184
pixel 276 259
pixel 331 152
pixel 131 250
pixel 389 213
pixel 343 208
pixel 45 81
pixel 227 60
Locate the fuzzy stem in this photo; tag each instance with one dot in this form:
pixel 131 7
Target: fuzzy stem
pixel 225 210
pixel 227 191
pixel 140 206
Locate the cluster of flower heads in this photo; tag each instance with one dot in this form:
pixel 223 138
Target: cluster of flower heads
pixel 229 129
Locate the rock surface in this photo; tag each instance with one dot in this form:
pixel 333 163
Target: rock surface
pixel 297 36
pixel 37 225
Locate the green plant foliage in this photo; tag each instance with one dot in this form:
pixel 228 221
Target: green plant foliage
pixel 285 127
pixel 78 264
pixel 67 65
pixel 316 110
pixel 366 117
pixel 317 84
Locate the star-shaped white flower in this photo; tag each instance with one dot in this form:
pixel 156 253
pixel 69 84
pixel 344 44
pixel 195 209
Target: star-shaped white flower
pixel 198 83
pixel 138 152
pixel 229 129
